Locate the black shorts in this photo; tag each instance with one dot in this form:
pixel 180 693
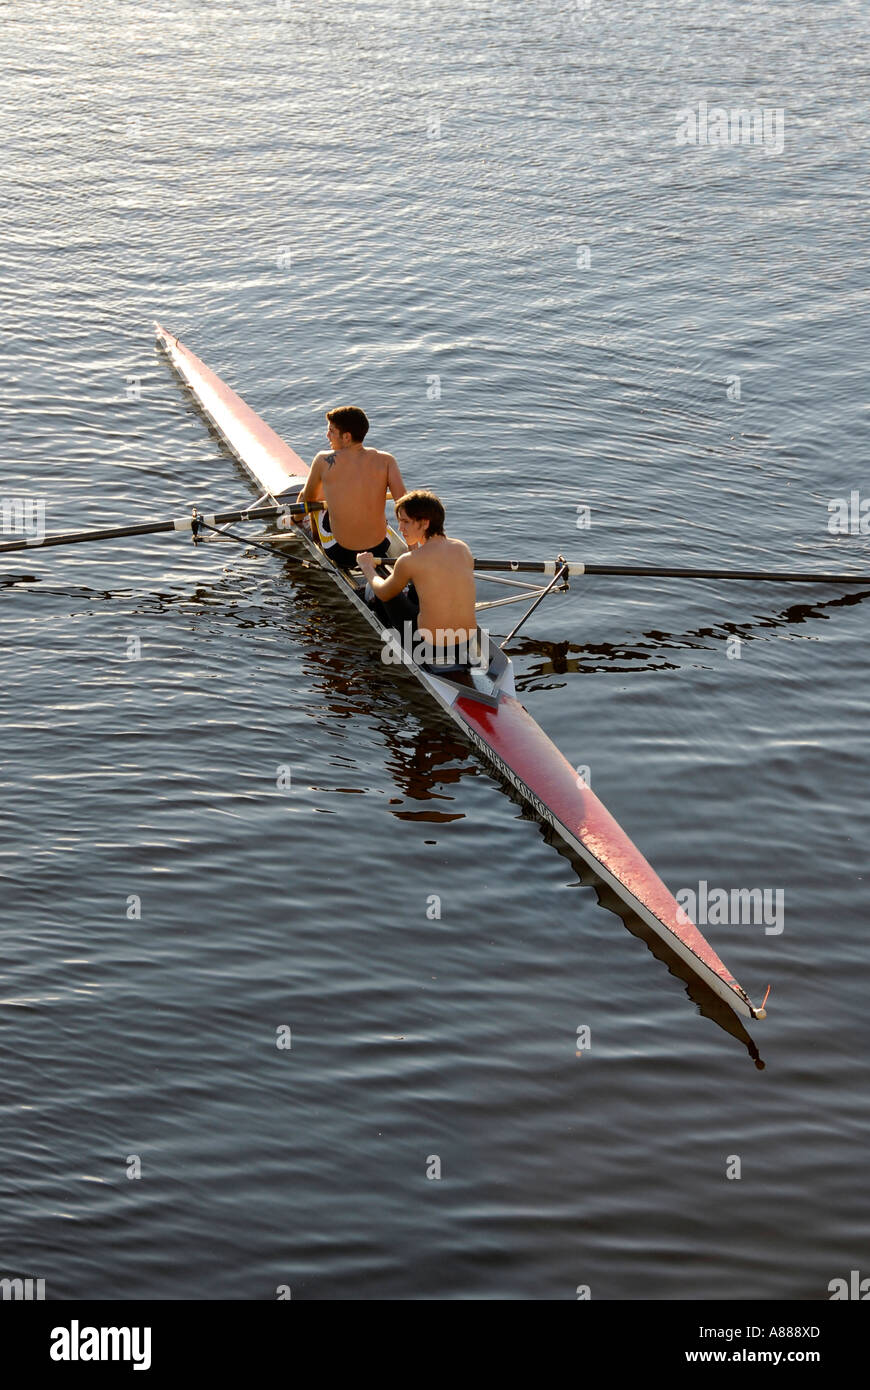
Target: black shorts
pixel 399 611
pixel 346 559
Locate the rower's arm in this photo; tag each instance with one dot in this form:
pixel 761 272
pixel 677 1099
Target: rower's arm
pixel 388 588
pixel 313 489
pixel 395 484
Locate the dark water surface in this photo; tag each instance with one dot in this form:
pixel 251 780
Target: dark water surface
pixel 388 204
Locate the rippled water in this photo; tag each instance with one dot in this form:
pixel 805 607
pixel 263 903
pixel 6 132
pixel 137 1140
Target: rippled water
pixel 475 221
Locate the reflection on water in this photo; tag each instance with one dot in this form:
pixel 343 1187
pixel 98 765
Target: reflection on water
pixel 646 652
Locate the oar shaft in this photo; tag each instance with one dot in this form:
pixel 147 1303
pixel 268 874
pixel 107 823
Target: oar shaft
pixel 649 572
pixel 576 569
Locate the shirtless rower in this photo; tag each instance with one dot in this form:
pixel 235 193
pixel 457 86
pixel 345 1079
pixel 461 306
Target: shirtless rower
pixel 353 481
pixel 440 569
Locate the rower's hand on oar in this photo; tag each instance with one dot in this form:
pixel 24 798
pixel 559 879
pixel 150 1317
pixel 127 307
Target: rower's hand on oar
pixel 366 561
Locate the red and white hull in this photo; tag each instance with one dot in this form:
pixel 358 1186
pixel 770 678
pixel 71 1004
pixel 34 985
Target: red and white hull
pixel 507 735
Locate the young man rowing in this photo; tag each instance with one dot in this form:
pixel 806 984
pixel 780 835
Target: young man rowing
pixel 439 611
pixel 353 481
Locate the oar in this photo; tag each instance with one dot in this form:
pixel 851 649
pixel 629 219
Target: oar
pixel 654 572
pixel 195 522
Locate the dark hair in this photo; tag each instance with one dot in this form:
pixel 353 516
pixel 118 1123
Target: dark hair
pixel 350 420
pixel 421 505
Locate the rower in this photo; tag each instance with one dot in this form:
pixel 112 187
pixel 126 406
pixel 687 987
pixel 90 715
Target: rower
pixel 353 481
pixel 439 607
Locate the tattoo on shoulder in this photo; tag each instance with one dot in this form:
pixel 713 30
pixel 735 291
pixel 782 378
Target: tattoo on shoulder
pixel 329 460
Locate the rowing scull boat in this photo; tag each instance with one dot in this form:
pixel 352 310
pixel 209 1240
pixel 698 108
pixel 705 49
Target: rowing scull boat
pixel 488 712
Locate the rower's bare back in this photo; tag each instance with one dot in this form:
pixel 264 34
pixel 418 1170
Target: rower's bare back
pixel 443 575
pixel 355 492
